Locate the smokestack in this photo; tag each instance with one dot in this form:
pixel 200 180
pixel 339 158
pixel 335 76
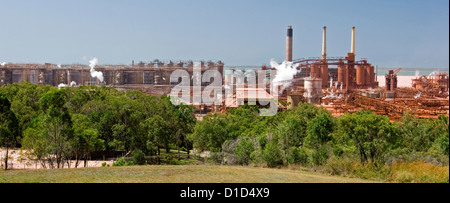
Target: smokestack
pixel 324 43
pixel 353 41
pixel 289 37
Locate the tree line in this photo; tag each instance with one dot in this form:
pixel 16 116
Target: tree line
pixel 59 125
pixel 310 136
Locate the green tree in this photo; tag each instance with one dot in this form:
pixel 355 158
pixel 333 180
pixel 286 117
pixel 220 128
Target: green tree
pixel 158 135
pixel 36 141
pixel 368 132
pixel 138 157
pixel 9 126
pixel 416 134
pixel 85 140
pixel 211 133
pixel 441 129
pixel 24 98
pixel 320 129
pixel 57 123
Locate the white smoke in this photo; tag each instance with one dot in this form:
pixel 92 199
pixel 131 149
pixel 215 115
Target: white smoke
pixel 59 65
pixel 3 63
pixel 62 85
pixel 94 73
pixel 285 72
pixel 73 83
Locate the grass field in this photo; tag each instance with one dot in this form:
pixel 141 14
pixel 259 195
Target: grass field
pixel 171 174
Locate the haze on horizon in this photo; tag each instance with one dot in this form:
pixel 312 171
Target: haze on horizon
pixel 406 33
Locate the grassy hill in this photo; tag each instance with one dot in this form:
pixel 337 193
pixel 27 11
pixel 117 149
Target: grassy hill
pixel 171 174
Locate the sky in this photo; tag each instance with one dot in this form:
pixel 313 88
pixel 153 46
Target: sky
pixel 389 33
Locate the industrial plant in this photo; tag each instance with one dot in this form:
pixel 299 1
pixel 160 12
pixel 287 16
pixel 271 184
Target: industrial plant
pixel 353 86
pixel 340 84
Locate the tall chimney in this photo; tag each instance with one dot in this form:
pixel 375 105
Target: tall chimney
pixel 353 41
pixel 324 43
pixel 289 37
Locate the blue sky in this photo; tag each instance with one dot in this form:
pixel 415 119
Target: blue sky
pixel 392 33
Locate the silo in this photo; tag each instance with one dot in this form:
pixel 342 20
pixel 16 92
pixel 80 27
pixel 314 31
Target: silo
pixel 313 90
pixel 360 75
pixel 314 71
pixel 370 75
pixel 341 74
pixel 324 75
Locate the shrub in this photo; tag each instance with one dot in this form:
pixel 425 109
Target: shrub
pixel 119 162
pixel 122 162
pixel 272 155
pixel 243 150
pixel 340 166
pixel 216 157
pixel 138 157
pixel 298 156
pixel 256 156
pixel 338 151
pixel 319 156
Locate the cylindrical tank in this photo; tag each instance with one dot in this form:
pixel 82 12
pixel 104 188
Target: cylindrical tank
pixel 341 74
pixel 314 71
pixel 360 75
pixel 370 75
pixel 324 75
pixel 313 90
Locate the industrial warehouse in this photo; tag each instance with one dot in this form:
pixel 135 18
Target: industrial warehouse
pixel 340 84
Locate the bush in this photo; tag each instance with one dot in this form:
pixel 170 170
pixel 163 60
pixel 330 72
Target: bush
pixel 298 156
pixel 243 150
pixel 319 156
pixel 122 162
pixel 338 151
pixel 216 157
pixel 138 157
pixel 256 156
pixel 340 166
pixel 119 162
pixel 272 155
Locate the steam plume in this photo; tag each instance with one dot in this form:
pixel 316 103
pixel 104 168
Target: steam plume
pixel 94 73
pixel 285 72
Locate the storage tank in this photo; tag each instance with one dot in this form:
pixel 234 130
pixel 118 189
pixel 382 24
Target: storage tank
pixel 313 90
pixel 360 75
pixel 341 74
pixel 370 75
pixel 324 76
pixel 314 71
